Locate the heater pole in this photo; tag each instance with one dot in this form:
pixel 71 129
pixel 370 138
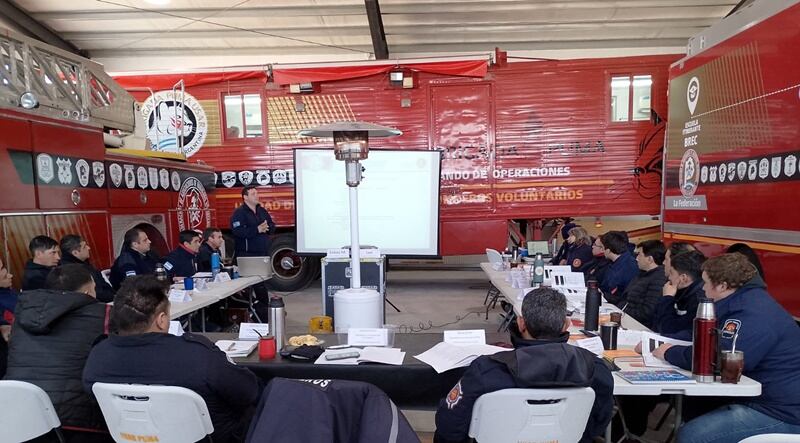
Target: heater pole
pixel 355 247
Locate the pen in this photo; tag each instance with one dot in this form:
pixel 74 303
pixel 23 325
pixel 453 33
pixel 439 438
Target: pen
pixel 259 334
pixel 230 348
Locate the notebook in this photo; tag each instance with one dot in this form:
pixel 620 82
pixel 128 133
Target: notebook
pixel 237 348
pixel 655 377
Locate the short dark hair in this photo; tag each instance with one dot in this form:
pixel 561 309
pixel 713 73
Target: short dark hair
pixel 615 241
pixel 208 232
pixel 654 249
pixel 137 302
pixel 41 243
pixel 246 190
pixel 186 236
pixel 69 277
pixel 678 247
pixel 131 236
pixel 69 243
pixel 689 263
pixel 748 252
pixel 544 310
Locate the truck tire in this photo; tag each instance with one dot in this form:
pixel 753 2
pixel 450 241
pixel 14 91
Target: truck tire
pixel 291 272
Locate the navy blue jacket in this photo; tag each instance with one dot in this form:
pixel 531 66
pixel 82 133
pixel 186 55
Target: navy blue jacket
pixel 130 263
pixel 579 257
pixel 180 263
pixel 619 274
pixel 105 293
pixel 244 225
pixel 769 337
pixel 8 301
pixel 562 253
pixel 533 364
pixel 332 411
pixel 674 316
pixel 597 269
pixel 190 361
pixel 204 257
pixel 35 276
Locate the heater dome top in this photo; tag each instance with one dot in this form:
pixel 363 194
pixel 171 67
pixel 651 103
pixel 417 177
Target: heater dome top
pixel 327 130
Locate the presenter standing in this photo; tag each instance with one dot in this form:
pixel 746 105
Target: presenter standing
pixel 252 226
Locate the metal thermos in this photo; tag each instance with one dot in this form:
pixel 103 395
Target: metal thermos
pixel 215 265
pixel 514 254
pixel 704 350
pixel 277 321
pixel 538 270
pixel 591 315
pixel 161 273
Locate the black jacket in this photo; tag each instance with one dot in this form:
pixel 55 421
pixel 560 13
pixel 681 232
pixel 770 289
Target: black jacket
pixel 244 225
pixel 35 276
pixel 674 316
pixel 50 340
pixel 180 263
pixel 333 411
pixel 643 294
pixel 190 361
pixel 533 364
pixel 105 293
pixel 131 263
pixel 204 257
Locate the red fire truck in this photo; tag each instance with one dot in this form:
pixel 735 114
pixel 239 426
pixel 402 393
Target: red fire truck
pixel 57 112
pixel 522 142
pixel 732 142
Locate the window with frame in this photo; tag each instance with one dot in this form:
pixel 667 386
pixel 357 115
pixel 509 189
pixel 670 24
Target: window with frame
pixel 631 97
pixel 243 116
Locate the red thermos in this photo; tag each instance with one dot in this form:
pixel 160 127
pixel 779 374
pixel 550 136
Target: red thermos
pixel 704 351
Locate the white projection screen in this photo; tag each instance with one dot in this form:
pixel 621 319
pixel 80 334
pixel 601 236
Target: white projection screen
pixel 398 202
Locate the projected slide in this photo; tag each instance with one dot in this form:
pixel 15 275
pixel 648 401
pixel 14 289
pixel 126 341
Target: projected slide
pixel 398 201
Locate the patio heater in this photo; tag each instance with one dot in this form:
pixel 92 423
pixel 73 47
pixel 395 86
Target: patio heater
pixel 355 306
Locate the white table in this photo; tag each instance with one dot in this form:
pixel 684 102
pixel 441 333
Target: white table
pixel 746 387
pixel 215 292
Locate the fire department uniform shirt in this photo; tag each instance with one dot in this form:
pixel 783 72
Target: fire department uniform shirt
pixel 618 275
pixel 579 257
pixel 244 225
pixel 181 262
pixel 769 337
pixel 130 263
pixel 204 257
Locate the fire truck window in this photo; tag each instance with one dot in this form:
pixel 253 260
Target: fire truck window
pixel 641 96
pixel 620 98
pixel 252 116
pixel 234 118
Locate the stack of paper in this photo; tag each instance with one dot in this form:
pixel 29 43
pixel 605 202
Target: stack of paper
pixel 446 356
pixel 650 342
pixel 237 348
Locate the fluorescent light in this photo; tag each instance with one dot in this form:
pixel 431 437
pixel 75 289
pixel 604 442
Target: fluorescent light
pixel 158 2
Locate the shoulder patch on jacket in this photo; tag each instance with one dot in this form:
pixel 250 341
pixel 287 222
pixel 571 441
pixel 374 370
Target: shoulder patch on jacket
pixel 236 224
pixel 577 263
pixel 130 273
pixel 167 266
pixel 730 328
pixel 454 396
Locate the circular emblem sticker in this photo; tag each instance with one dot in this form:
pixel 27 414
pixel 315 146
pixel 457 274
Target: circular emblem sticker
pixel 193 208
pixel 167 120
pixel 689 174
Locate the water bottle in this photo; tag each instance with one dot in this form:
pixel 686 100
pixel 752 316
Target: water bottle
pixel 214 265
pixel 538 270
pixel 161 273
pixel 592 306
pixel 704 342
pixel 277 321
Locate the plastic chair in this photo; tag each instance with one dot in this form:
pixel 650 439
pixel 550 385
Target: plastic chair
pixel 772 438
pixel 513 415
pixel 153 413
pixel 27 412
pixel 493 294
pixel 493 256
pixel 106 273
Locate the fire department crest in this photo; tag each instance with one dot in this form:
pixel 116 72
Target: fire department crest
pixel 279 176
pixel 82 168
pixel 228 179
pixel 741 170
pixel 712 174
pixel 731 171
pixel 193 207
pixel 775 171
pixel 790 165
pixel 704 174
pixel 170 115
pixel 64 170
pixel 130 177
pixel 99 174
pixel 262 177
pixel 454 396
pixel 175 178
pixel 153 173
pixel 689 175
pixel 115 171
pixel 763 168
pixel 163 175
pixel 752 169
pixel 723 171
pixel 44 167
pixel 141 177
pixel 246 177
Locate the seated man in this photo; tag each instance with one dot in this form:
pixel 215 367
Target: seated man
pixel 212 241
pixel 674 249
pixel 8 302
pixel 182 261
pixel 74 249
pixel 44 251
pixel 623 266
pixel 675 312
pixel 644 292
pixel 53 332
pixel 134 258
pixel 542 359
pixel 599 265
pixel 141 351
pixel 768 336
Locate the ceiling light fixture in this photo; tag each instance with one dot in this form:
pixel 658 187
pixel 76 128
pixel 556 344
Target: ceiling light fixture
pixel 158 2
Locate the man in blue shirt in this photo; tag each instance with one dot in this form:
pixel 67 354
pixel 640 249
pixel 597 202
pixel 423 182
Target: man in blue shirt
pixel 135 258
pixel 768 336
pixel 623 266
pixel 252 225
pixel 182 261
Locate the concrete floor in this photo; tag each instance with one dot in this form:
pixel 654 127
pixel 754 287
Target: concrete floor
pixel 429 301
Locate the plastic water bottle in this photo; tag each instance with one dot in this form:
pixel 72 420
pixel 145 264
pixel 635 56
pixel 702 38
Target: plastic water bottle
pixel 591 315
pixel 214 265
pixel 538 270
pixel 277 321
pixel 161 273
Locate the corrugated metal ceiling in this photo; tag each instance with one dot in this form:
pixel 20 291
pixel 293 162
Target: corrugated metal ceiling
pixel 134 35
